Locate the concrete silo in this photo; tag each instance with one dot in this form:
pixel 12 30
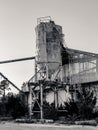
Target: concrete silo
pixel 49 40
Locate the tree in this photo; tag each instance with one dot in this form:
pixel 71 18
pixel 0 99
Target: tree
pixel 87 102
pixel 12 106
pixel 83 106
pixel 16 107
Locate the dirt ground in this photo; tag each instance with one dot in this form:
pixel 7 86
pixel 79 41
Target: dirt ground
pixel 20 126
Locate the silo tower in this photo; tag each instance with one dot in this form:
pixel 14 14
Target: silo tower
pixel 48 43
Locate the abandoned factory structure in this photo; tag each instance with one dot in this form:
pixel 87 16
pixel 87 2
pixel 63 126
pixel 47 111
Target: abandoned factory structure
pixel 59 71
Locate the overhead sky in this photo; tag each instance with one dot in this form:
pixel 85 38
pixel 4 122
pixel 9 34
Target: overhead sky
pixel 18 18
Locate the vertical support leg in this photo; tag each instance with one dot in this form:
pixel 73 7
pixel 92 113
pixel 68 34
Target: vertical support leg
pixel 41 98
pixel 56 98
pixel 47 72
pixel 35 71
pixel 30 102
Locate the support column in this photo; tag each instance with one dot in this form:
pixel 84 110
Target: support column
pixel 56 97
pixel 35 71
pixel 30 102
pixel 41 98
pixel 47 71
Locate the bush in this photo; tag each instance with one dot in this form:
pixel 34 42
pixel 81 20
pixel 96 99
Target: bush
pixel 49 111
pixel 83 107
pixel 13 106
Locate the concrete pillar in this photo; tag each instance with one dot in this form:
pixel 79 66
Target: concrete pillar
pixel 41 98
pixel 30 101
pixel 56 97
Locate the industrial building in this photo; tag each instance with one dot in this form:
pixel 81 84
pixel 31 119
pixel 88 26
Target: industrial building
pixel 59 70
